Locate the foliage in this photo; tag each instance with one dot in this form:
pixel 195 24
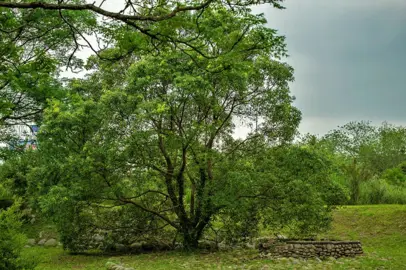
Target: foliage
pixel 363 153
pixel 147 135
pixel 396 176
pixel 34 46
pixel 155 143
pixel 378 148
pixel 39 38
pixel 12 241
pixel 302 190
pixel 85 227
pixel 14 172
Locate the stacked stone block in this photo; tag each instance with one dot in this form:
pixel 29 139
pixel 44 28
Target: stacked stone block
pixel 312 249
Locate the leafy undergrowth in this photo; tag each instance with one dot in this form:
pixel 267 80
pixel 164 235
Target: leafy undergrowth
pixel 381 228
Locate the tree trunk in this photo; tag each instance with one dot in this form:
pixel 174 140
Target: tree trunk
pixel 192 234
pixel 190 239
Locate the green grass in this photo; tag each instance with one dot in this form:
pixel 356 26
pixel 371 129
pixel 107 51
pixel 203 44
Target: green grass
pixel 381 228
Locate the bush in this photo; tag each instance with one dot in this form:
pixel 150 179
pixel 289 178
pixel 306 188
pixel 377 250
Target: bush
pixel 83 226
pixel 396 176
pixel 12 241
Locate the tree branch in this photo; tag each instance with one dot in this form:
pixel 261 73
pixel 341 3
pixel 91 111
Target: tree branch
pixel 101 11
pixel 150 211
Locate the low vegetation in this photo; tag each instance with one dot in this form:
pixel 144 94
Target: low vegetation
pixel 381 229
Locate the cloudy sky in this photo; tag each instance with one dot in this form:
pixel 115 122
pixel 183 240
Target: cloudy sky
pixel 349 58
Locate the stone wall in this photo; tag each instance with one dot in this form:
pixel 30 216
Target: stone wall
pixel 312 249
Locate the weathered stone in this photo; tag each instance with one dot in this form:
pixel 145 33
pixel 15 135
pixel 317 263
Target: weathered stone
pixel 281 236
pixel 114 266
pixel 41 242
pixel 51 243
pixel 98 237
pixel 31 242
pixel 120 248
pixel 136 247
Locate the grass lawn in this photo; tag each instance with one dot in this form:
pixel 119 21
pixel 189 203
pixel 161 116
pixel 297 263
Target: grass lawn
pixel 381 229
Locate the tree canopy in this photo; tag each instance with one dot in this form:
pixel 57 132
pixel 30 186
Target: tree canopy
pixel 145 144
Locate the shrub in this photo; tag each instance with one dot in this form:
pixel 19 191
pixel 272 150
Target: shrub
pixel 396 176
pixel 83 226
pixel 12 241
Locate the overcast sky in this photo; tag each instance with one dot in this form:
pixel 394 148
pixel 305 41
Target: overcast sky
pixel 349 58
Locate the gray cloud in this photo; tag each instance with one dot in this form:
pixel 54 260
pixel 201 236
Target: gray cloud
pixel 349 59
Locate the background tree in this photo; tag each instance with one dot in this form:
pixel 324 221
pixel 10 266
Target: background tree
pixel 363 152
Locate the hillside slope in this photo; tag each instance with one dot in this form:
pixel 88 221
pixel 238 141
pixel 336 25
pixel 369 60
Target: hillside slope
pixel 381 229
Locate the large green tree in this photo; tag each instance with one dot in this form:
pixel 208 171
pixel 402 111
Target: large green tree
pixel 158 138
pixel 145 142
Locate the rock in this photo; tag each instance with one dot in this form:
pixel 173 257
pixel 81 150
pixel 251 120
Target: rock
pixel 136 247
pixel 98 238
pixel 31 242
pixel 281 237
pixel 208 245
pixel 178 245
pixel 260 241
pixel 114 266
pixel 120 248
pixel 41 242
pixel 51 243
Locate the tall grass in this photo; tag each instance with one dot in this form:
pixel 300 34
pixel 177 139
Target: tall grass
pixel 378 191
